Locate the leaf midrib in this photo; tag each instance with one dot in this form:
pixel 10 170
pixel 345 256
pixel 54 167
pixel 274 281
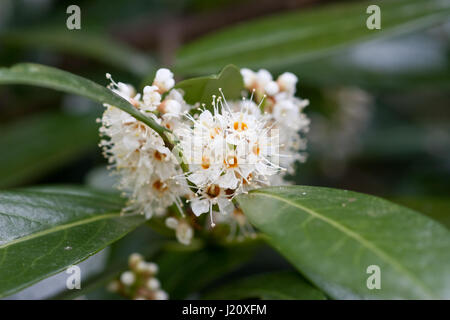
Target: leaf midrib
pixel 59 228
pixel 352 234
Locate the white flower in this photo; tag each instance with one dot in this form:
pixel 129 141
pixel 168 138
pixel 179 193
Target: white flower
pixel 151 98
pixel 287 113
pixel 153 284
pixel 161 295
pixel 145 166
pixel 272 88
pixel 263 77
pixel 164 79
pixel 152 267
pixel 249 77
pixel 208 197
pixel 287 82
pixel 154 197
pixel 124 90
pixel 127 278
pixel 138 283
pixel 262 82
pixel 134 259
pixel 284 112
pixel 177 95
pixel 171 108
pixel 183 230
pixel 226 149
pixel 184 233
pixel 229 151
pixel 147 267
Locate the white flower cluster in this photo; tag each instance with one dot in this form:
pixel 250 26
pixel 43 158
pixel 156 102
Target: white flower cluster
pixel 145 166
pixel 228 148
pixel 140 282
pixel 284 110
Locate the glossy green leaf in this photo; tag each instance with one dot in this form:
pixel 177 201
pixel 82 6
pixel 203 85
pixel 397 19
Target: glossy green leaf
pixel 45 230
pixel 200 90
pixel 437 208
pixel 332 236
pixel 353 67
pixel 300 37
pixel 38 144
pixel 44 76
pixel 142 240
pixel 269 286
pixel 95 46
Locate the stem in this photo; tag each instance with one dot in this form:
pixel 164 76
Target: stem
pixel 173 143
pixel 166 135
pixel 160 130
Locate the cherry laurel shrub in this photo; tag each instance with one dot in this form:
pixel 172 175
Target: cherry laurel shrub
pixel 204 161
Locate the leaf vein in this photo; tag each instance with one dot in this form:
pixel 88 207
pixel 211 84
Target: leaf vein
pixel 358 238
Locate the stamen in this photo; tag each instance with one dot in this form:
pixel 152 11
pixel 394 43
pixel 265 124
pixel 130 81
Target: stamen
pixel 211 215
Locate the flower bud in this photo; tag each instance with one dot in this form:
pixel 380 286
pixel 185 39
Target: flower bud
pixel 134 259
pixel 248 76
pixel 153 284
pixel 171 223
pixel 164 79
pixel 184 233
pixel 287 82
pixel 271 88
pixel 128 278
pixel 161 295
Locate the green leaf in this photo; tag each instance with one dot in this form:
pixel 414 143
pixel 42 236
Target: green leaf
pixel 270 286
pixel 332 236
pixel 300 37
pixel 44 230
pixel 91 45
pixel 185 271
pixel 203 88
pixel 44 76
pixel 346 69
pixel 437 208
pixel 142 240
pixel 39 143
